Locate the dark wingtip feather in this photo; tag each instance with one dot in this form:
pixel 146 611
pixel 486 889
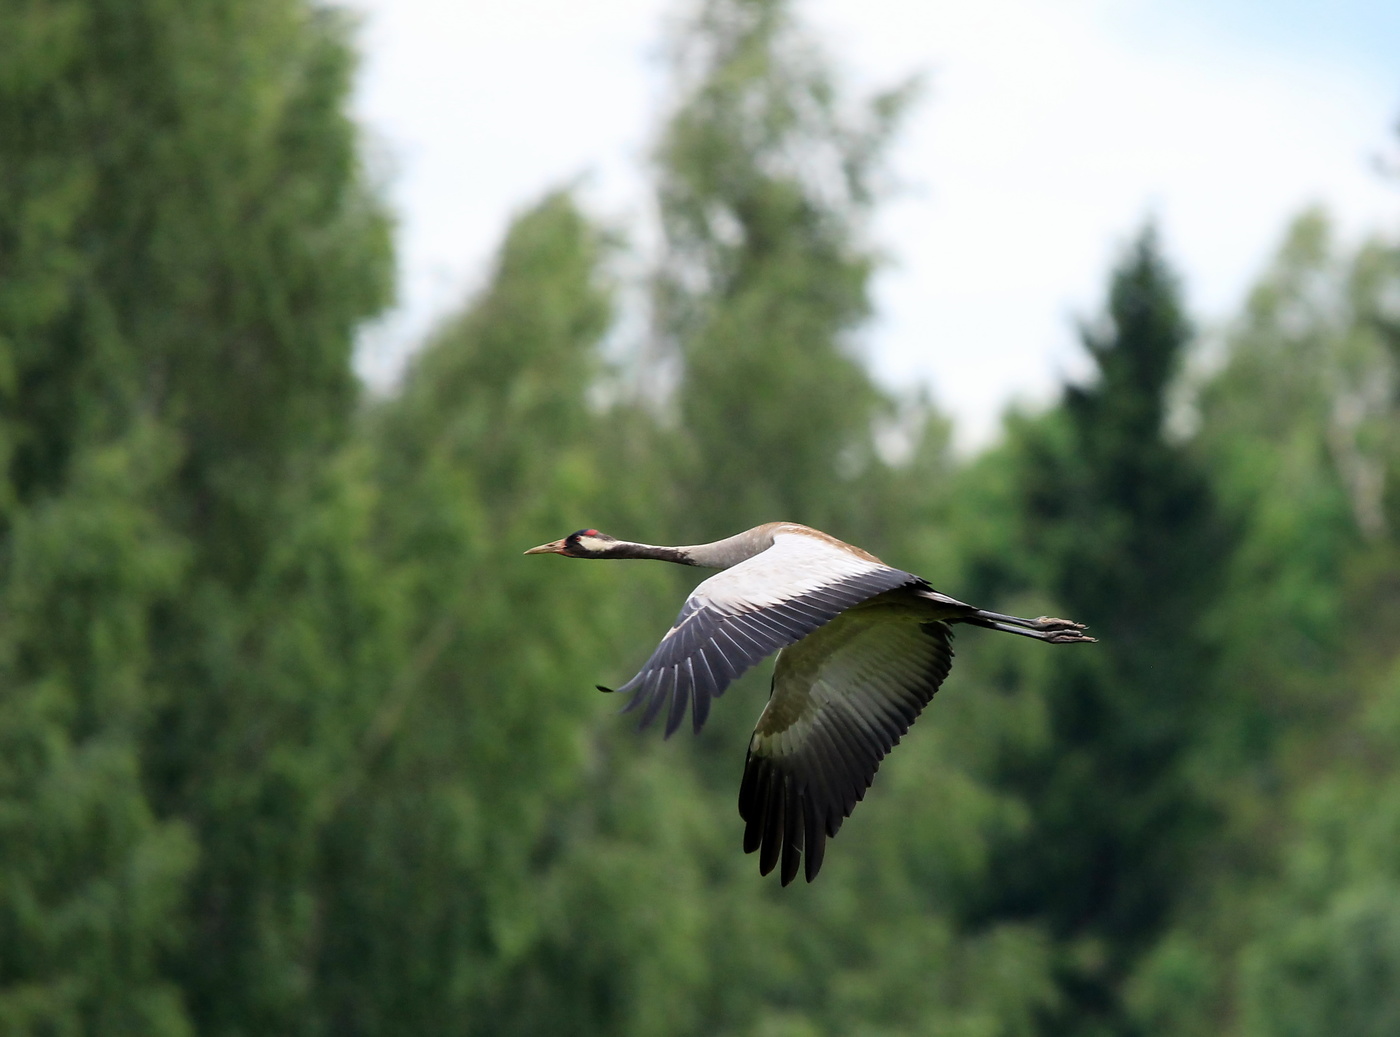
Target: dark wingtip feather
pixel 746 789
pixel 753 837
pixel 792 837
pixel 815 847
pixel 607 691
pixel 753 805
pixel 772 832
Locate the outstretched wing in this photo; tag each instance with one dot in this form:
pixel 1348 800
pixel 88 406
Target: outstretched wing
pixel 841 700
pixel 738 616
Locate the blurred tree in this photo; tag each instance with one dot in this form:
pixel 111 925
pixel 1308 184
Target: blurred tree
pixel 1269 422
pixel 91 882
pixel 767 177
pixel 186 246
pixel 292 740
pixel 1300 425
pixel 1122 531
pixel 765 184
pixel 473 879
pixel 219 286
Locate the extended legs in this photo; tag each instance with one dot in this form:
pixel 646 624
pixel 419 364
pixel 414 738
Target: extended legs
pixel 1045 628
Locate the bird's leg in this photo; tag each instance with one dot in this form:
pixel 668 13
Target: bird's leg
pixel 1044 628
pixel 1040 623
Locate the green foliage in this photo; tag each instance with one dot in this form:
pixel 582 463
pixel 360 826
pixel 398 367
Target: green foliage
pixel 293 740
pixel 187 246
pixel 472 869
pixel 1302 421
pixel 93 881
pixel 1121 530
pixel 766 177
pixel 1299 424
pixel 198 261
pixel 764 184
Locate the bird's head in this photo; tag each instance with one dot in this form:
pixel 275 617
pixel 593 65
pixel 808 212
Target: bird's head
pixel 586 543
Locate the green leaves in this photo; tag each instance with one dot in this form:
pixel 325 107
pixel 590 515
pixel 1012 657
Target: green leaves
pixel 294 740
pixel 765 185
pixel 93 879
pixel 1119 524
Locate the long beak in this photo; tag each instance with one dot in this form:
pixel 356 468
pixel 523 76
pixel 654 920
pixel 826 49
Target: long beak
pixel 556 548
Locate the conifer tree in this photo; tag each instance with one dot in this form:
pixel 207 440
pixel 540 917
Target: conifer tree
pixel 1123 532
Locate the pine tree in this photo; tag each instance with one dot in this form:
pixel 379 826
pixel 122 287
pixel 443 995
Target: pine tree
pixel 1123 532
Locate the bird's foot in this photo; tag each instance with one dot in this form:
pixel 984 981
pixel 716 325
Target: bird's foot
pixel 1068 637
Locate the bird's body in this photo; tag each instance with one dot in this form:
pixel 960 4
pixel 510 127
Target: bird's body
pixel 864 646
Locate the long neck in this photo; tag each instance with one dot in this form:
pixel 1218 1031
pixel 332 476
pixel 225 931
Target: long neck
pixel 719 555
pixel 627 549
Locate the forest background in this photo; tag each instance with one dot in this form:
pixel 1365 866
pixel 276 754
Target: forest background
pixel 294 741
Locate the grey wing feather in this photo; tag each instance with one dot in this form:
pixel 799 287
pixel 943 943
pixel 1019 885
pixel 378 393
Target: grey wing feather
pixel 709 647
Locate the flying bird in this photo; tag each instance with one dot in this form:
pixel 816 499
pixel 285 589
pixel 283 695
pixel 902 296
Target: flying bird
pixel 862 647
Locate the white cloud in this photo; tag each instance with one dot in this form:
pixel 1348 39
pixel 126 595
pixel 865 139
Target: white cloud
pixel 1047 139
pixel 480 109
pixel 1049 132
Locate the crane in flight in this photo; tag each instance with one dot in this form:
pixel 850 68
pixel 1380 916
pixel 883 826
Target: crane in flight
pixel 862 647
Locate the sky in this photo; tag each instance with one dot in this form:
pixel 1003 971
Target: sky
pixel 1046 135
